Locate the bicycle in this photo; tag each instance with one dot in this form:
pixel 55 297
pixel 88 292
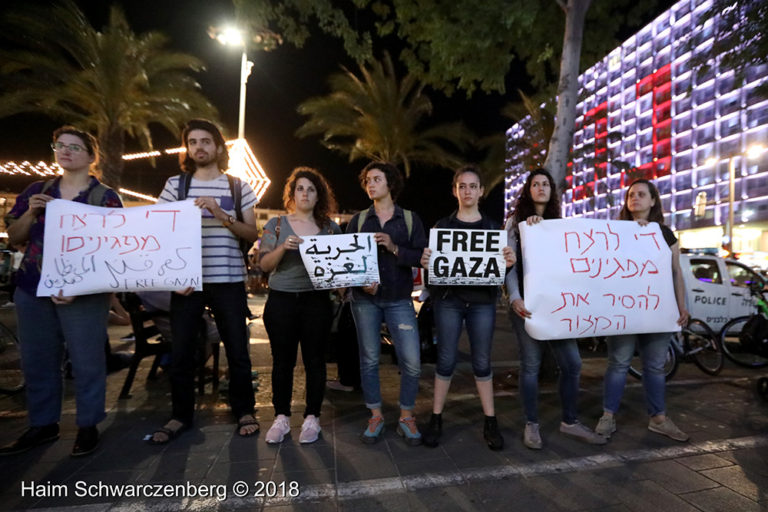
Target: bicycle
pixel 744 339
pixel 695 342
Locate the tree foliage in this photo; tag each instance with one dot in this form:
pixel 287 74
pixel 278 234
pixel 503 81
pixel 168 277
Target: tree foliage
pixel 377 116
pixel 113 82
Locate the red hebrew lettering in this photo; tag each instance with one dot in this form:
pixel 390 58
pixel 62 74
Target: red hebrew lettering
pixel 582 298
pixel 613 298
pixel 98 246
pixel 115 215
pixel 75 218
pixel 640 300
pixel 578 240
pixel 655 268
pixel 614 234
pixel 174 212
pixel 637 269
pixel 591 241
pixel 654 296
pixel 573 267
pixel 599 268
pixel 116 243
pixel 570 323
pixel 591 324
pixel 146 239
pixel 606 238
pixel 565 302
pixel 70 247
pixel 597 322
pixel 624 301
pixel 127 241
pixel 624 318
pixel 618 267
pixel 653 236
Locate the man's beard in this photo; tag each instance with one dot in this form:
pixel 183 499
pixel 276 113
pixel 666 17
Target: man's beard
pixel 203 161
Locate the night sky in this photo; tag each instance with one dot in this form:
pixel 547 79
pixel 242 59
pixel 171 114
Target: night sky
pixel 280 80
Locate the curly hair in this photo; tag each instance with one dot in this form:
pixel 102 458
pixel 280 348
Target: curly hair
pixel 326 202
pixel 89 142
pixel 524 206
pixel 657 211
pixel 394 177
pixel 185 161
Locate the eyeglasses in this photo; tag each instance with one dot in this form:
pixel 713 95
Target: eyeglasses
pixel 74 148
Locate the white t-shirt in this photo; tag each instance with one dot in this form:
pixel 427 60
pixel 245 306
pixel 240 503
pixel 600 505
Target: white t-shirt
pixel 222 259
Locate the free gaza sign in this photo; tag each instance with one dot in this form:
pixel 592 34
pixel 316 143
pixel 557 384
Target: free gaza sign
pixel 467 257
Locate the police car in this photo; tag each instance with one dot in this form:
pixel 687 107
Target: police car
pixel 717 289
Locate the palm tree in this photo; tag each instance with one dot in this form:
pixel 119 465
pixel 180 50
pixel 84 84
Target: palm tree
pixel 379 117
pixel 113 82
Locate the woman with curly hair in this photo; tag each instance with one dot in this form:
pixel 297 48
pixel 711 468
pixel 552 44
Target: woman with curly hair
pixel 538 201
pixel 295 313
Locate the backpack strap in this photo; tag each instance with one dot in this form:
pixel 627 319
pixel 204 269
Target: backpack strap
pixel 96 194
pixel 237 195
pixel 182 190
pixel 361 219
pixel 277 227
pixel 48 184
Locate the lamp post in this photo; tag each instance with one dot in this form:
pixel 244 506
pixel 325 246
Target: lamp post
pixel 752 153
pixel 234 37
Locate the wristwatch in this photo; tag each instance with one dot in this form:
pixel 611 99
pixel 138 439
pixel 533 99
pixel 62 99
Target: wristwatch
pixel 230 220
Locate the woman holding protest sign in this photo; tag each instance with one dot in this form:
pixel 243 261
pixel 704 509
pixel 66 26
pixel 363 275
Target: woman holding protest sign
pixel 539 200
pixel 474 306
pixel 295 313
pixel 642 204
pixel 48 324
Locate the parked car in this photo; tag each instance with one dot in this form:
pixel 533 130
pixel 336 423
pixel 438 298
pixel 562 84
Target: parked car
pixel 717 289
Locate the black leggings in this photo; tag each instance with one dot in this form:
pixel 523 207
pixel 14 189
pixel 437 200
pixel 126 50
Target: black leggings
pixel 294 319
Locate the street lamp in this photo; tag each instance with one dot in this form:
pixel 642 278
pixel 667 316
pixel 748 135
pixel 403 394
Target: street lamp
pixel 752 153
pixel 230 36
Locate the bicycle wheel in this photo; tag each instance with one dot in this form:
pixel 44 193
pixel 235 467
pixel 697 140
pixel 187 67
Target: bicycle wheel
pixel 732 347
pixel 11 377
pixel 670 365
pixel 701 343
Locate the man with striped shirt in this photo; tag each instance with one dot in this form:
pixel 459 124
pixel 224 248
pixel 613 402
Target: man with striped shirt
pixel 204 163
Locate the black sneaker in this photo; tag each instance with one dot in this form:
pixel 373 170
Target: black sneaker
pixel 33 436
pixel 86 442
pixel 431 435
pixel 492 435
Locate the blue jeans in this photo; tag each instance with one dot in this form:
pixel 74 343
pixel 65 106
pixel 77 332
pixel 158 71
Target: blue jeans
pixel 480 319
pixel 44 330
pixel 400 317
pixel 653 352
pixel 228 303
pixel 568 360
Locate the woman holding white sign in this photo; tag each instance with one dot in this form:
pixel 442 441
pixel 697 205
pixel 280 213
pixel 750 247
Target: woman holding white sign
pixel 643 204
pixel 538 201
pixel 474 306
pixel 295 313
pixel 47 325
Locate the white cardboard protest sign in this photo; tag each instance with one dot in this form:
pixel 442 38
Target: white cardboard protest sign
pixel 467 256
pixel 337 261
pixel 89 249
pixel 586 277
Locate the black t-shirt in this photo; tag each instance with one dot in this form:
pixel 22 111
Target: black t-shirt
pixel 669 235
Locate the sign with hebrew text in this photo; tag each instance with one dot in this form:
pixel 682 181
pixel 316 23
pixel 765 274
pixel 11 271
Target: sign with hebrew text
pixel 89 249
pixel 463 257
pixel 587 277
pixel 338 261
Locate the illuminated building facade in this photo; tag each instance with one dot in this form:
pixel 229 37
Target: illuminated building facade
pixel 644 106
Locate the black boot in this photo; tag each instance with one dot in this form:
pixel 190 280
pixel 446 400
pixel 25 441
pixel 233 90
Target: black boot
pixel 431 435
pixel 491 434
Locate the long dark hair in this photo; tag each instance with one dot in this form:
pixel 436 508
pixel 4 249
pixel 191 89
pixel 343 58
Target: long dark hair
pixel 524 206
pixel 657 212
pixel 326 202
pixel 186 162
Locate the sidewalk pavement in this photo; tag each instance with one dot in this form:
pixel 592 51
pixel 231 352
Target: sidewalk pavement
pixel 723 467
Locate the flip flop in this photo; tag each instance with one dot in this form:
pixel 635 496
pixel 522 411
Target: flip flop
pixel 245 423
pixel 172 434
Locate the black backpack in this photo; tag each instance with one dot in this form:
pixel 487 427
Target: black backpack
pixel 185 179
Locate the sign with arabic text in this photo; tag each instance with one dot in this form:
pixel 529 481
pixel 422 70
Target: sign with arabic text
pixel 88 249
pixel 467 257
pixel 337 261
pixel 587 277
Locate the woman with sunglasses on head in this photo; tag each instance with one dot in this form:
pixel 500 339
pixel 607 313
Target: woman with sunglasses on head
pixel 642 204
pixel 539 200
pixel 474 306
pixel 295 313
pixel 48 324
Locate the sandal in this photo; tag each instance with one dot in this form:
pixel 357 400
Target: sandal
pixel 247 421
pixel 170 433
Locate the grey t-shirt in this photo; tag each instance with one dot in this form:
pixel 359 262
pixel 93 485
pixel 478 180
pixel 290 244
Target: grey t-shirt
pixel 290 274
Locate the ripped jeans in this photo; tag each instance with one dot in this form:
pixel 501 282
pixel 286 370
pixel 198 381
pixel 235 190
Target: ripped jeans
pixel 400 318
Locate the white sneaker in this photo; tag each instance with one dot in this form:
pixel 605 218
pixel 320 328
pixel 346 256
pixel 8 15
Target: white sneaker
pixel 278 430
pixel 606 426
pixel 309 430
pixel 531 436
pixel 582 433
